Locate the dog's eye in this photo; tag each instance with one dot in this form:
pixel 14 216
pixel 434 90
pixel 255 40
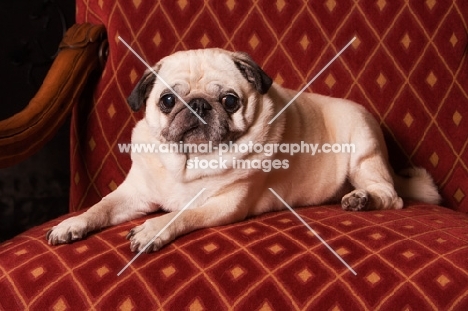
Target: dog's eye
pixel 167 102
pixel 230 103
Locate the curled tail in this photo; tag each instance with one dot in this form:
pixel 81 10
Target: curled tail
pixel 416 183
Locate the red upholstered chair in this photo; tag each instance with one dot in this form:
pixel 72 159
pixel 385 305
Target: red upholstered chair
pixel 408 66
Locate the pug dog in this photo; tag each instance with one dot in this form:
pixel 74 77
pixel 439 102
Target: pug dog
pixel 224 98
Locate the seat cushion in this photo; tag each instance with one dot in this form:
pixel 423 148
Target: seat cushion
pixel 415 258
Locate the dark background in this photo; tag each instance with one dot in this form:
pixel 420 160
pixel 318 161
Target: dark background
pixel 37 189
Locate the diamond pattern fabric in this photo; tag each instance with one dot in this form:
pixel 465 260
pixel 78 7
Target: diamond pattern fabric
pixel 408 66
pixel 411 259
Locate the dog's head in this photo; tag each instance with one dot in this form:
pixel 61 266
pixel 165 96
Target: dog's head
pixel 219 87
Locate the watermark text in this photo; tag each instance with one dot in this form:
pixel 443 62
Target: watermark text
pixel 268 149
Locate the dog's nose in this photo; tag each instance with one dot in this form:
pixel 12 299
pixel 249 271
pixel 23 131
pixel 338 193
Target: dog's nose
pixel 200 106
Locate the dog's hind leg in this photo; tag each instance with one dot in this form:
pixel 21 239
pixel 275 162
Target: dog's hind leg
pixel 373 182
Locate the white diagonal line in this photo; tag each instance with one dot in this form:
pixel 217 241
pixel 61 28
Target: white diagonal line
pixel 161 79
pixel 160 232
pixel 313 231
pixel 313 79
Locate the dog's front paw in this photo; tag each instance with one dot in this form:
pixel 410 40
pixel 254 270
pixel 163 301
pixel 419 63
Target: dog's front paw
pixel 149 236
pixel 357 200
pixel 69 230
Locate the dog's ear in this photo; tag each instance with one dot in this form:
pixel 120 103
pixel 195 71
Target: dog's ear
pixel 142 90
pixel 252 72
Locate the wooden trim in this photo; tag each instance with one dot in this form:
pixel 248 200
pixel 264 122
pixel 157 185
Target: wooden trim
pixel 83 50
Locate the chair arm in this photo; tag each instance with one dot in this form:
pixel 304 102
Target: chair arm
pixel 83 50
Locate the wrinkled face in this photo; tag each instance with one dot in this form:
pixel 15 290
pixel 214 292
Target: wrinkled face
pixel 207 95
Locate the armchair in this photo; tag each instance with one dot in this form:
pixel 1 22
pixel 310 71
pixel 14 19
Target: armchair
pixel 408 66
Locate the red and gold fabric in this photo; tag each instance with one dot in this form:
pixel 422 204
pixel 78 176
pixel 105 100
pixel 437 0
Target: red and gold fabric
pixel 408 66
